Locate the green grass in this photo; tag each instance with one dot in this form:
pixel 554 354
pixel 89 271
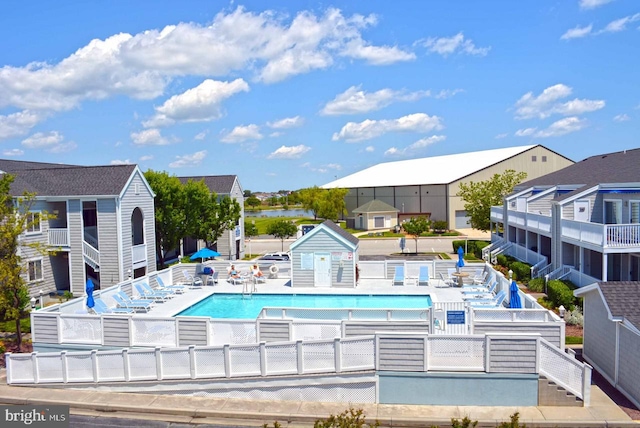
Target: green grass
pixel 384 235
pixel 10 326
pixel 573 340
pixel 262 223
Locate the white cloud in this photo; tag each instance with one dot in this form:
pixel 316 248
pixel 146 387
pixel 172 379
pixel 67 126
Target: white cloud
pixel 149 137
pixel 446 46
pixel 501 136
pixel 289 152
pixel 527 132
pixel 562 127
pixel 620 24
pixel 621 117
pixel 368 129
pixel 17 124
pixel 13 152
pixel 577 32
pixel 189 160
pixel 146 158
pixel 287 122
pixel 63 147
pixel 141 65
pixel 200 104
pixel 370 149
pixel 242 133
pixel 41 140
pixel 354 100
pixel 322 168
pixel 201 135
pixel 412 148
pixel 592 4
pixel 447 93
pixel 120 162
pixel 545 104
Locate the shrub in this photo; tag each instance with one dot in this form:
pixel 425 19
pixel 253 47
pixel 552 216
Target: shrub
pixel 439 226
pixel 464 423
pixel 351 418
pixel 457 244
pixel 502 260
pixel 574 317
pixel 2 348
pixel 521 270
pixel 513 423
pixel 536 285
pixel 479 245
pixel 559 293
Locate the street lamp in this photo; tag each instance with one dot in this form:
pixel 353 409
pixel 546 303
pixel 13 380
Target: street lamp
pixel 33 302
pixel 562 311
pixel 510 274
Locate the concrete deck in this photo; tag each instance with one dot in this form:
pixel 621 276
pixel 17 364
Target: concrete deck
pixel 603 412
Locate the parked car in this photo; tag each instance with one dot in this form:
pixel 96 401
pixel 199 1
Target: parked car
pixel 276 257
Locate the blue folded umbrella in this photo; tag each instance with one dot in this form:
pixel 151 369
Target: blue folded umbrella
pixel 514 297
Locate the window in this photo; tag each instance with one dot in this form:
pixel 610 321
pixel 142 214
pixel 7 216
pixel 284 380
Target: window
pixel 35 270
pixel 544 158
pixel 378 222
pixel 634 211
pixel 612 211
pixel 534 158
pixel 33 222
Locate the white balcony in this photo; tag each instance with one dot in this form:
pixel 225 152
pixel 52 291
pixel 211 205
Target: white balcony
pixel 139 254
pixel 496 214
pixel 614 236
pixel 538 223
pixel 58 237
pixel 517 218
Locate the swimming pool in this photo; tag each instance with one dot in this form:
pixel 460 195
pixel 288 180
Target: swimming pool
pixel 235 306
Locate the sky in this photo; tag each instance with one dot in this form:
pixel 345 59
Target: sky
pixel 289 94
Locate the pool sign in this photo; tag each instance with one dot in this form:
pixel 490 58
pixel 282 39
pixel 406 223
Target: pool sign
pixel 455 317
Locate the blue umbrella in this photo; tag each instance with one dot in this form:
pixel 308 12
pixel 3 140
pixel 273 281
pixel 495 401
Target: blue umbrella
pixel 90 287
pixel 460 257
pixel 514 296
pixel 205 253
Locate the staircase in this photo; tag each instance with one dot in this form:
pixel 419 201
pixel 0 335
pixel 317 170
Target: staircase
pixel 550 394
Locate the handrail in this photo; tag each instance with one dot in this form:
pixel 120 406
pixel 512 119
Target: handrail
pixel 541 273
pixel 91 253
pixel 574 376
pixel 560 273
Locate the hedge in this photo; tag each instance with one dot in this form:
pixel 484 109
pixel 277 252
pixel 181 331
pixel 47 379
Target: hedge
pixel 559 293
pixel 536 285
pixel 521 270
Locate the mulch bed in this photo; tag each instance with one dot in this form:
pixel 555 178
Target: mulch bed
pixel 11 346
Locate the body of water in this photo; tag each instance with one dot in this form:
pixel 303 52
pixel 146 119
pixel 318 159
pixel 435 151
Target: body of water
pixel 279 213
pixel 235 306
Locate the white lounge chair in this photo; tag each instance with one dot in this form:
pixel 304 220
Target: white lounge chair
pixel 497 301
pixel 398 277
pixel 192 281
pixel 423 277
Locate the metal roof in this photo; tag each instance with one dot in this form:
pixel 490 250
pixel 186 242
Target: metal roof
pixel 431 170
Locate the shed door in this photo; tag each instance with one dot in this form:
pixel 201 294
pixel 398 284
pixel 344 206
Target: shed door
pixel 322 269
pixel 462 220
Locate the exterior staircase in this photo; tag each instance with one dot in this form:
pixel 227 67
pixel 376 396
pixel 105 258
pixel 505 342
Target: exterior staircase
pixel 550 394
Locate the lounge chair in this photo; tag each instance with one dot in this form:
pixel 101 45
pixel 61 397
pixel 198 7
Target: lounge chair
pixel 100 307
pixel 126 302
pixel 447 281
pixel 423 277
pixel 178 289
pixel 497 301
pixel 148 293
pixel 398 277
pixel 481 288
pixel 487 292
pixel 478 277
pixel 193 281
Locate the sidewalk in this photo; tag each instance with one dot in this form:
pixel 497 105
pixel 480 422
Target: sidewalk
pixel 201 410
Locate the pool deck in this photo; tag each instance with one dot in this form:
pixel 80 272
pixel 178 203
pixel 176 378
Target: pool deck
pixel 436 289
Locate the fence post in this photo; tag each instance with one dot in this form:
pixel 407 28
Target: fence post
pixel 94 364
pixel 177 338
pixel 337 354
pixel 34 363
pixel 299 356
pixel 58 326
pixel 63 358
pixel 227 361
pixel 425 356
pixel 130 321
pixel 158 363
pixel 263 358
pixel 586 384
pixel 192 361
pixel 125 365
pixel 487 354
pixel 538 352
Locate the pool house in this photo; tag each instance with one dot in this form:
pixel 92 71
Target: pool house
pixel 423 345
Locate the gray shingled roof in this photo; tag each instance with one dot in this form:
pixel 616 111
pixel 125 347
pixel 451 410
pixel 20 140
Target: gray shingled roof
pixel 623 299
pixel 67 180
pixel 340 231
pixel 375 206
pixel 220 184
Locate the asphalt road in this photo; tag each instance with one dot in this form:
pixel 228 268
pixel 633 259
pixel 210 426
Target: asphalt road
pixel 81 421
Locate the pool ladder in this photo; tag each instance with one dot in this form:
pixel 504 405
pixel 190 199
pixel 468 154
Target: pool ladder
pixel 248 287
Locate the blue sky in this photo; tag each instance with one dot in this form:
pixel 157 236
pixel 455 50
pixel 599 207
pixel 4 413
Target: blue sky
pixel 292 94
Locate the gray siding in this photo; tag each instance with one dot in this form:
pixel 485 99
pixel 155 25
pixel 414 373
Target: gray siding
pixel 365 328
pixel 595 208
pixel 541 205
pixel 115 331
pixel 108 242
pixel 27 252
pixel 76 258
pixel 629 367
pixel 270 331
pixel 513 355
pixel 401 354
pixel 227 242
pixel 550 332
pixel 192 332
pixel 599 334
pixel 129 202
pixel 323 242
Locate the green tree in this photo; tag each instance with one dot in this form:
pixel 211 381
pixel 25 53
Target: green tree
pixel 332 204
pixel 246 193
pixel 282 229
pixel 250 229
pixel 169 211
pixel 253 202
pixel 415 227
pixel 480 196
pixel 311 200
pixel 225 216
pixel 14 220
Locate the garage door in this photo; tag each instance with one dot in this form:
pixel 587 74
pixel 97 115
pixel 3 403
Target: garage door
pixel 462 221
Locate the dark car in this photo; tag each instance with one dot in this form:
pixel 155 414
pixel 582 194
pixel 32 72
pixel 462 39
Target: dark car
pixel 275 257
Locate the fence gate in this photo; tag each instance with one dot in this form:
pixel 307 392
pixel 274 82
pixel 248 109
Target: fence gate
pixel 451 318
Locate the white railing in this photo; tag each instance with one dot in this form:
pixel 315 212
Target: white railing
pixel 194 362
pixel 497 214
pixel 524 254
pixel 538 222
pixel 139 253
pixel 514 315
pixel 517 218
pixel 91 253
pixel 496 241
pixel 345 314
pixel 455 353
pixel 91 236
pixel 581 279
pixel 58 237
pixel 499 250
pixel 623 235
pixel 565 370
pixel 542 272
pixel 591 233
pixel 560 273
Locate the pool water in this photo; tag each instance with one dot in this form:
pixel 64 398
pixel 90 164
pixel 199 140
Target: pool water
pixel 239 307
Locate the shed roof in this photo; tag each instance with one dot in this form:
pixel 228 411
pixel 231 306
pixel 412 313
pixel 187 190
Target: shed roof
pixel 623 299
pixel 220 184
pixel 332 228
pixel 431 170
pixel 375 206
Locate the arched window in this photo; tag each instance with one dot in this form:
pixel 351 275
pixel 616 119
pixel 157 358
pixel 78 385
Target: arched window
pixel 137 227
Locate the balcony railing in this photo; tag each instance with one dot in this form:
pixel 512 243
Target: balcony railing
pixel 497 214
pixel 538 222
pixel 517 218
pixel 59 237
pixel 139 253
pixel 603 235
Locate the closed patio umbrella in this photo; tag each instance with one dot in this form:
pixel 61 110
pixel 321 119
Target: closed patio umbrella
pixel 90 302
pixel 514 297
pixel 460 258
